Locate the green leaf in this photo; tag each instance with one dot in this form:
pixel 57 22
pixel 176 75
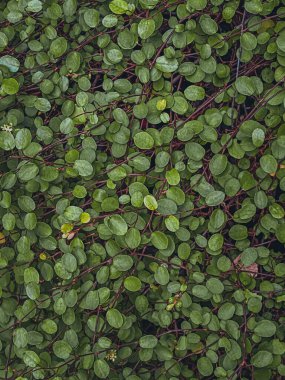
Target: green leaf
pixel 200 291
pixel 166 65
pixel 49 326
pixel 172 223
pixel 205 366
pixel 114 55
pixel 172 176
pixel 67 125
pixel 91 17
pixel 194 93
pixel 117 174
pixel 238 232
pixel 20 337
pixel 180 105
pixel 132 283
pixel 265 329
pixel 276 211
pixel 208 25
pixel 248 41
pixel 10 86
pixel 215 286
pixel 28 171
pixel 73 61
pixel 133 238
pixel 7 141
pixel 150 202
pixel 31 359
pixel 62 349
pixel 58 47
pixel 146 28
pixel 83 167
pixel 31 275
pixel 244 85
pixel 194 151
pixel 159 240
pixel 161 275
pixel 101 369
pixel 30 221
pixel 23 138
pixel 79 191
pixel 42 104
pixel 254 7
pixel 34 6
pixel 90 301
pixel 11 63
pixel 116 225
pixel 123 262
pixel 14 16
pixel 143 140
pixel 118 7
pixel 218 164
pixel 262 359
pixel 280 232
pixel 3 40
pixel 268 163
pixel 8 221
pixel 216 242
pixel 280 42
pixel 249 256
pixel 215 198
pixel 226 311
pixel 258 137
pixel 114 318
pixel 69 7
pixel 33 290
pixel 168 206
pixel 148 341
pixel 109 21
pixel 72 213
pixel 279 270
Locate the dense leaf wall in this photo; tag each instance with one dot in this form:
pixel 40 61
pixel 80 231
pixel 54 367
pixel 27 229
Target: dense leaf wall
pixel 142 150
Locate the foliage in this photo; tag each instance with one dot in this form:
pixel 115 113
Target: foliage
pixel 142 189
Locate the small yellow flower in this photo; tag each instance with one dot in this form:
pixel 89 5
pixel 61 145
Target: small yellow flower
pixel 7 127
pixel 43 256
pixel 112 355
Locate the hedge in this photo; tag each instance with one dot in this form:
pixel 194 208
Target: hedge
pixel 142 184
